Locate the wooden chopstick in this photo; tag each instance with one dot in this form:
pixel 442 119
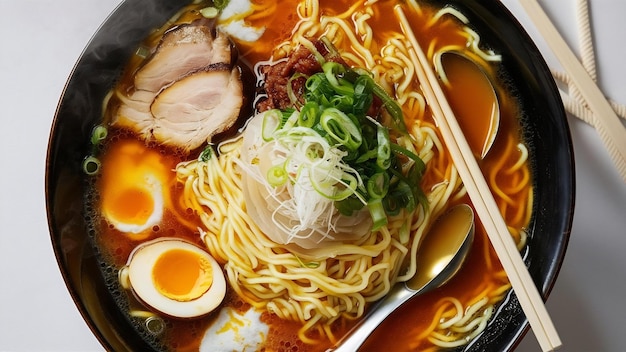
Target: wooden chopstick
pixel 606 121
pixel 481 197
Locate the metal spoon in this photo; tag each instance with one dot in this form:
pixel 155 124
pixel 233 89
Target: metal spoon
pixel 443 62
pixel 440 256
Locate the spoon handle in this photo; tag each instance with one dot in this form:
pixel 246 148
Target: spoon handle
pixel 361 331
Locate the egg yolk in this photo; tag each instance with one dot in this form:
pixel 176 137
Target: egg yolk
pixel 182 275
pixel 132 206
pixel 132 187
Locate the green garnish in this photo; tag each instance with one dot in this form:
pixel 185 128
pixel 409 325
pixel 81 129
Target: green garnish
pixel 91 165
pixel 220 4
pixel 98 134
pixel 214 11
pixel 347 156
pixel 206 154
pixel 310 265
pixel 209 12
pixel 277 176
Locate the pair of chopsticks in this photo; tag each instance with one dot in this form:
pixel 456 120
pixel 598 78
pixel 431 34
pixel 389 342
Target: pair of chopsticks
pixel 605 120
pixel 481 196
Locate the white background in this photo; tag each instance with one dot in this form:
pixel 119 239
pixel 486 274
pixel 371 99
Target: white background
pixel 40 40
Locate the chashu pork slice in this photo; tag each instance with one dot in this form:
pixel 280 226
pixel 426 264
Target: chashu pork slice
pixel 197 107
pixel 186 91
pixel 182 50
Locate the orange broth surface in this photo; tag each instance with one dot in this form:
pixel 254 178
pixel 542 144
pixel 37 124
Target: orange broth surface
pixel 407 328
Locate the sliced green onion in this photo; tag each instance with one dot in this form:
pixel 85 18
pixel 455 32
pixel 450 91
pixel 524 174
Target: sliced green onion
pixel 390 105
pixel 310 265
pixel 290 93
pixel 350 182
pixel 297 133
pixel 419 163
pixel 98 134
pixel 383 156
pixel 415 176
pixel 155 325
pixel 392 207
pixel 220 4
pixel 277 176
pixel 318 89
pixel 344 87
pixel 342 102
pixel 401 150
pixel 286 115
pixel 377 211
pixel 370 154
pixel 400 197
pixel 289 120
pixel 209 12
pixel 309 115
pixel 334 72
pixel 362 95
pixel 272 120
pixel 341 128
pixel 378 185
pixel 331 189
pixel 142 52
pixel 91 165
pixel 314 151
pixel 206 154
pixel 404 233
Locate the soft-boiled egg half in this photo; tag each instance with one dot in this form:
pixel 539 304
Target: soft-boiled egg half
pixel 235 331
pixel 175 277
pixel 132 190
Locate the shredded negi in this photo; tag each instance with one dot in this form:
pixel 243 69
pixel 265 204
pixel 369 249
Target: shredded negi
pixel 338 143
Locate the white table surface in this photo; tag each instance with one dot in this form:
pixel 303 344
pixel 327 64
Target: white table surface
pixel 39 44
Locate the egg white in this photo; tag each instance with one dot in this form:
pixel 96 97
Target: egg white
pixel 140 266
pixel 233 331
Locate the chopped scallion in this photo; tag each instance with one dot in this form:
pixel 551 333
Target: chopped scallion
pixel 220 4
pixel 209 12
pixel 272 120
pixel 91 165
pixel 310 265
pixel 341 128
pixel 377 211
pixel 392 107
pixel 309 115
pixel 383 156
pixel 206 154
pixel 363 98
pixel 98 134
pixel 277 176
pixel 378 185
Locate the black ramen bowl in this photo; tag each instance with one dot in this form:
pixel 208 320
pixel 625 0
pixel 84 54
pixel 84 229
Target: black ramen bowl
pixel 543 119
